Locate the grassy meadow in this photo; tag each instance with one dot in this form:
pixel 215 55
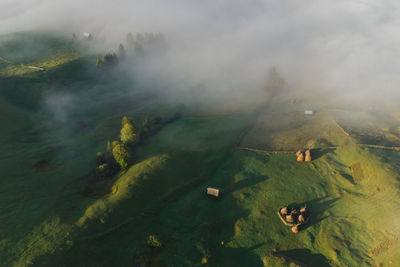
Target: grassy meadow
pixel 51 214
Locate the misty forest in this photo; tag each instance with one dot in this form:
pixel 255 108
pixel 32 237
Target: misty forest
pixel 199 133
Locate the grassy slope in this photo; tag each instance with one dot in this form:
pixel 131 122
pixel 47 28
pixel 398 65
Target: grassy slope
pixel 34 201
pixel 341 231
pixel 47 220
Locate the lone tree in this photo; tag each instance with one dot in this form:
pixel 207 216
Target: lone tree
pixel 130 41
pixel 121 52
pixel 128 132
pixel 275 82
pixel 99 63
pixel 121 155
pixel 154 242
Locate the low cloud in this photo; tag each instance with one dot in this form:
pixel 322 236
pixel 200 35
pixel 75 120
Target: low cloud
pixel 348 47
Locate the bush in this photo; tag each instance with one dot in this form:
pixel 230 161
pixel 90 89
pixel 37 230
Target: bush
pixel 104 170
pixel 99 63
pixel 100 158
pixel 154 242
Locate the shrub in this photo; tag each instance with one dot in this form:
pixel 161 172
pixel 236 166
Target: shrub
pixel 100 158
pixel 154 242
pixel 99 63
pixel 104 170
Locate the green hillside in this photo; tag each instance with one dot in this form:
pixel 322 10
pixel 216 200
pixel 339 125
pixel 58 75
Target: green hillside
pixel 53 213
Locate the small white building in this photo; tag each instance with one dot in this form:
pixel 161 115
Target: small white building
pixel 308 112
pixel 87 35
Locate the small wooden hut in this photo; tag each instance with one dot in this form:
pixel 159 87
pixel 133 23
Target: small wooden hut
pixel 213 191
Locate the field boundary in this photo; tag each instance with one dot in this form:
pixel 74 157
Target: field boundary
pixel 340 128
pixel 395 148
pixel 251 125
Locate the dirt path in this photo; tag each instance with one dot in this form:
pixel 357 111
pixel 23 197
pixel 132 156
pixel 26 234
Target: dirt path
pixel 6 61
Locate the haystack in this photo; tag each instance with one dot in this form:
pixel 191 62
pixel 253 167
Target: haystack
pixel 308 156
pixel 294 217
pixel 289 218
pixel 294 211
pixel 284 211
pixel 300 156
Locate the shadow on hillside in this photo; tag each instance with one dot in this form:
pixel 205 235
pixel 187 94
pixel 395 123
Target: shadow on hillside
pixel 342 166
pixel 319 152
pixel 237 257
pixel 303 257
pixel 245 183
pixel 22 91
pixel 217 225
pixel 317 207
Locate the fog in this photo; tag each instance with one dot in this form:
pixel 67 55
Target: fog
pixel 343 47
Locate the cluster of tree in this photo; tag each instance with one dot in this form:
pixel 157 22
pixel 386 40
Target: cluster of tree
pixel 275 82
pixel 108 60
pixel 118 155
pixel 139 44
pixel 142 43
pixel 111 59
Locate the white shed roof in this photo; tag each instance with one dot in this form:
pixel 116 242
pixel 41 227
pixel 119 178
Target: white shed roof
pixel 213 191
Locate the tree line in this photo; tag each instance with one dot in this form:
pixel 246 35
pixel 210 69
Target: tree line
pixel 139 44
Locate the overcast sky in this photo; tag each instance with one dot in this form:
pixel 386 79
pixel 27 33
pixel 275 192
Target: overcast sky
pixel 343 45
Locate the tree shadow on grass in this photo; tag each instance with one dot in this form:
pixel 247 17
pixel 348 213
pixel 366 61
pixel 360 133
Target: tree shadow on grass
pixel 245 183
pixel 319 152
pixel 218 254
pixel 227 256
pixel 303 257
pixel 317 207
